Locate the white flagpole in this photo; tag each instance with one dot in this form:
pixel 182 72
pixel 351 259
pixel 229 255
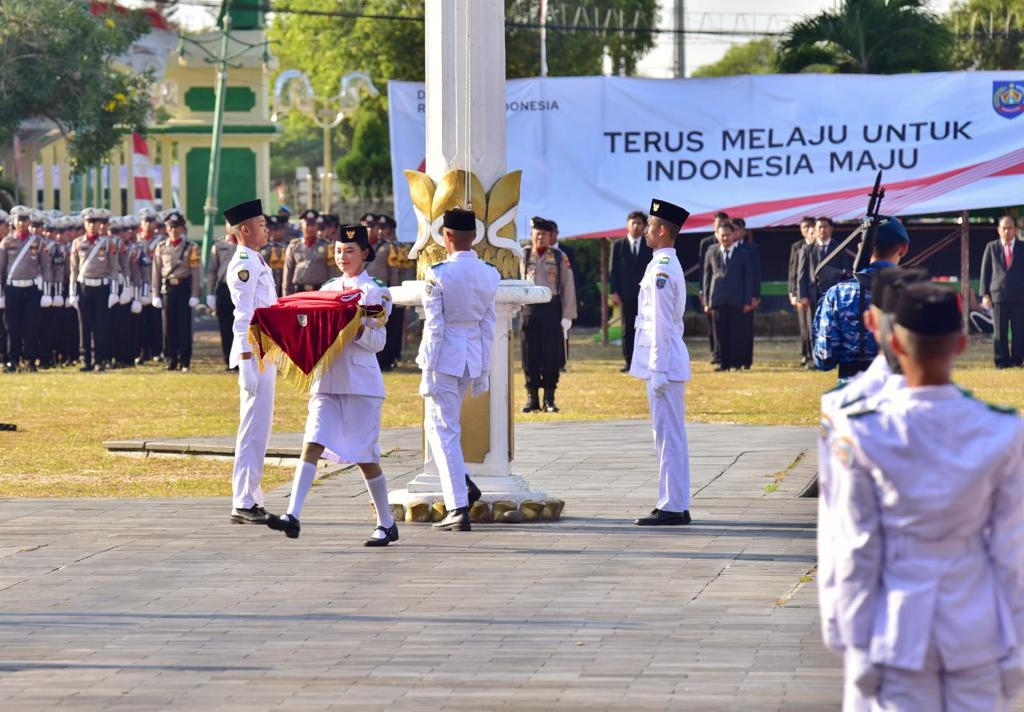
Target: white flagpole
pixel 543 38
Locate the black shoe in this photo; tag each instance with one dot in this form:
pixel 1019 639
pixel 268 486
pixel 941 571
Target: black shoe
pixel 252 515
pixel 390 535
pixel 289 526
pixel 624 369
pixel 32 368
pixel 661 518
pixel 549 401
pixel 86 368
pixel 721 368
pixel 472 491
pixel 172 366
pixel 456 520
pixel 101 367
pixel 532 401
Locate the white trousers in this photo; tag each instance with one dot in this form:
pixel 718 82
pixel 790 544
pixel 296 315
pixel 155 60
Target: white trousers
pixel 444 434
pixel 255 417
pixel 976 689
pixel 668 413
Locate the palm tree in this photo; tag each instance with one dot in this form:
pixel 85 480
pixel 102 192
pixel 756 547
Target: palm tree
pixel 869 37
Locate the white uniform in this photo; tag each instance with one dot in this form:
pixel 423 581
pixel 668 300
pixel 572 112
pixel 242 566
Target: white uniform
pixel 458 331
pixel 659 348
pixel 252 286
pixel 929 577
pixel 345 404
pixel 877 378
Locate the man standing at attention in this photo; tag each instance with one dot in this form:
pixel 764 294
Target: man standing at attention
pixel 661 359
pixel 1002 291
pixel 629 262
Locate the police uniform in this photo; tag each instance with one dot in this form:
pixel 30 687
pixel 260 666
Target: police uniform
pixel 455 357
pixel 68 333
pixel 273 251
pixel 929 519
pixel 175 280
pixel 123 338
pixel 151 318
pixel 218 296
pixel 660 357
pixel 136 275
pixel 251 287
pixel 48 316
pixel 305 266
pixel 24 269
pixel 5 225
pixel 543 325
pixel 95 269
pixel 840 338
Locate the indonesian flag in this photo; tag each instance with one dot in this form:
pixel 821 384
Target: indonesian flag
pixel 303 334
pixel 142 169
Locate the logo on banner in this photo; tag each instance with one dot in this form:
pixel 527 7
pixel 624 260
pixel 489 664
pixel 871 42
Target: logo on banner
pixel 303 319
pixel 1008 98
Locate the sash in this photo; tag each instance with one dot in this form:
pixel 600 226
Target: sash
pixel 21 255
pixel 89 258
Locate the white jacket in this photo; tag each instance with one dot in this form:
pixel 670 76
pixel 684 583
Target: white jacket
pixel 930 517
pixel 356 371
pixel 251 284
pixel 659 342
pixel 458 306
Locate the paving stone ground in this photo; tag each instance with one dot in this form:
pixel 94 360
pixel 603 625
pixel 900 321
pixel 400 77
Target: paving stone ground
pixel 160 604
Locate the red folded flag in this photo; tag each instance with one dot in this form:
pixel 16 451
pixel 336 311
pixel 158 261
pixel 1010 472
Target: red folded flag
pixel 304 333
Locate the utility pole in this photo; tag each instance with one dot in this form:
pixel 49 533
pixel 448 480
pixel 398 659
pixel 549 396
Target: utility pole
pixel 679 40
pixel 213 176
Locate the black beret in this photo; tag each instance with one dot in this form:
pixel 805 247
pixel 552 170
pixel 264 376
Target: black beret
pixel 309 215
pixel 668 212
pixel 927 308
pixel 888 282
pixel 359 235
pixel 175 219
pixel 459 219
pixel 243 211
pixel 539 223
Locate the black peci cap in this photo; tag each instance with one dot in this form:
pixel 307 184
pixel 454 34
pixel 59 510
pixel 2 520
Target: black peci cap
pixel 359 235
pixel 243 211
pixel 459 219
pixel 888 282
pixel 668 212
pixel 926 308
pixel 309 215
pixel 539 223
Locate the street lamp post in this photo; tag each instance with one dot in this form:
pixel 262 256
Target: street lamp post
pixel 294 92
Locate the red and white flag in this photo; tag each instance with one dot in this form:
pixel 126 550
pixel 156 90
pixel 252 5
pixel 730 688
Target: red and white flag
pixel 142 169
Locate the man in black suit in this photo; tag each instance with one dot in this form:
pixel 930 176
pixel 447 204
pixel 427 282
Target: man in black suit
pixel 630 257
pixel 1002 291
pixel 809 290
pixel 804 314
pixel 728 295
pixel 745 240
pixel 706 244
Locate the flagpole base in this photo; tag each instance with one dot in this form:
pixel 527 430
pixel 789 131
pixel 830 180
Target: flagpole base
pixel 502 507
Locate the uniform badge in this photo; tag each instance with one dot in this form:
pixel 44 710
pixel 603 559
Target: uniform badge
pixel 429 288
pixel 303 319
pixel 660 280
pixel 243 274
pixel 825 427
pixel 243 256
pixel 842 450
pixel 664 261
pixel 322 249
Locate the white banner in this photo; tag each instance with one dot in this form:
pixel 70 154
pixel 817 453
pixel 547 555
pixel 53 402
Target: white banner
pixel 769 148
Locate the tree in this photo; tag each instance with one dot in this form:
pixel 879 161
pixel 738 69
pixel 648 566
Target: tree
pixel 59 63
pixel 989 34
pixel 754 57
pixel 869 37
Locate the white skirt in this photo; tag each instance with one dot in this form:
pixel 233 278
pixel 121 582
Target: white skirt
pixel 348 426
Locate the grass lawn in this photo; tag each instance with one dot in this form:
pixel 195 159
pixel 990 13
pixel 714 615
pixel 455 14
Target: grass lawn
pixel 63 416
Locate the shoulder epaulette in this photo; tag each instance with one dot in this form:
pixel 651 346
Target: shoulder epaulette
pixel 489 264
pixel 436 265
pixel 1004 409
pixel 379 282
pixel 860 413
pixel 855 401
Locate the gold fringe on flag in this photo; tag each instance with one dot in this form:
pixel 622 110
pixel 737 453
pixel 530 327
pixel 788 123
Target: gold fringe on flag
pixel 287 369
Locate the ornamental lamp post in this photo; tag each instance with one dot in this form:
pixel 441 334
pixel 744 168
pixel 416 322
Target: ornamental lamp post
pixel 294 92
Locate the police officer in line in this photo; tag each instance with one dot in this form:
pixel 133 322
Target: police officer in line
pixel 218 296
pixel 24 269
pixel 306 265
pixel 122 340
pixel 400 269
pixel 94 273
pixel 273 251
pixel 68 331
pixel 151 319
pixel 175 279
pixel 44 228
pixel 5 228
pixel 840 338
pixel 545 326
pixel 134 275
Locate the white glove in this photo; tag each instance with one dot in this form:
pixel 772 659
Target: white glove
pixel 481 384
pixel 428 387
pixel 866 675
pixel 126 295
pixel 146 300
pixel 193 302
pixel 1011 668
pixel 3 303
pixel 659 382
pixel 73 302
pixel 211 302
pixel 158 302
pixel 45 301
pixel 136 306
pixel 58 300
pixel 248 375
pixel 111 300
pixel 566 325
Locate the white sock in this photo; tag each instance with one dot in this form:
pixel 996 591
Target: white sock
pixel 378 489
pixel 305 473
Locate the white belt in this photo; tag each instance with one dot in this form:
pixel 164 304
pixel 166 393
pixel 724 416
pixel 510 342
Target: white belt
pixel 462 324
pixel 640 323
pixel 22 283
pixel 899 546
pixel 95 282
